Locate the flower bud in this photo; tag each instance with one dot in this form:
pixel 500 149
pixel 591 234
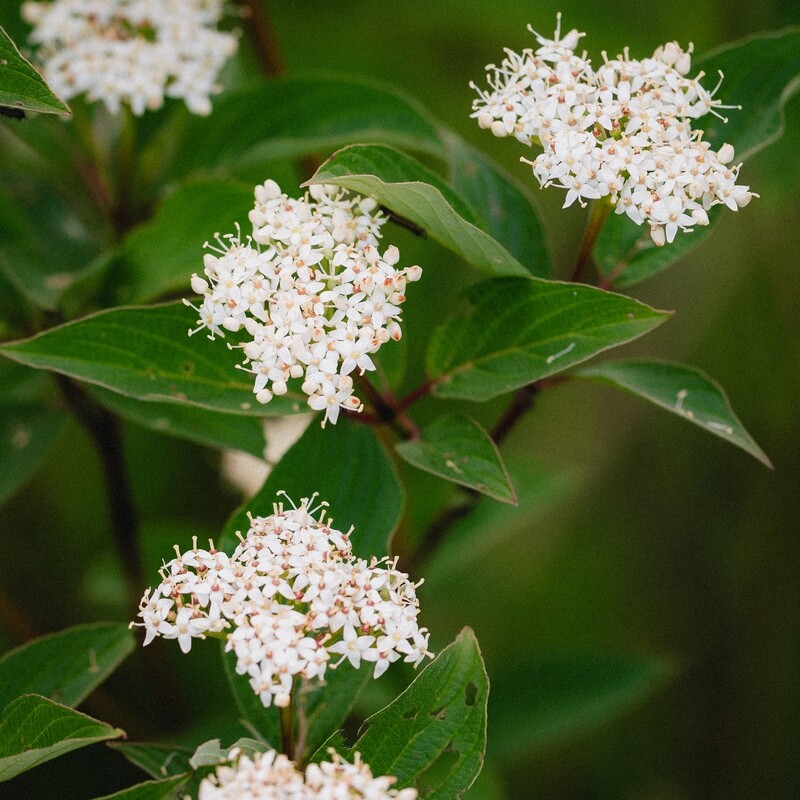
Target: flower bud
pixel 726 154
pixel 199 285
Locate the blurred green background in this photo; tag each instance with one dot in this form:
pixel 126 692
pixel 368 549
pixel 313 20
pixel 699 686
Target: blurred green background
pixel 641 534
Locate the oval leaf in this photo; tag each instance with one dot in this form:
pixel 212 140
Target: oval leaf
pixel 21 86
pixel 433 735
pixel 34 729
pixel 296 116
pixel 627 249
pixel 521 330
pixel 65 666
pixel 504 207
pixel 348 467
pixel 150 790
pixel 684 391
pixel 457 449
pixel 146 353
pixel 414 193
pixel 564 695
pixel 194 424
pixel 161 255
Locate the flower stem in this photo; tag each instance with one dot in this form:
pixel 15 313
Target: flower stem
pixel 262 37
pixel 287 727
pixel 123 213
pixel 597 217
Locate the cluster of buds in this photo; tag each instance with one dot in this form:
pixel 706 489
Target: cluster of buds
pixel 312 291
pixel 291 601
pixel 621 133
pixel 134 52
pixel 269 776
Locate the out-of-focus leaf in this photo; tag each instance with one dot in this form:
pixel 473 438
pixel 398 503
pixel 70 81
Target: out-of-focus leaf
pixel 684 391
pixel 295 116
pixel 145 353
pixel 348 467
pixel 150 790
pixel 457 449
pixel 26 435
pixel 157 760
pixel 563 695
pixel 261 721
pixel 65 666
pixel 161 255
pixel 762 93
pixel 413 192
pixel 34 729
pixel 521 330
pixel 189 422
pixel 21 86
pixel 505 209
pixel 433 735
pixel 391 363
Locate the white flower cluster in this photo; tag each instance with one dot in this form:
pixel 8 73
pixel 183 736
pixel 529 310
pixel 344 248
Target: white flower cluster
pixel 131 51
pixel 622 132
pixel 290 599
pixel 270 776
pixel 312 291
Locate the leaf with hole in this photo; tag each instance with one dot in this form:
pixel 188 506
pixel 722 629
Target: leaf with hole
pixel 433 735
pixel 458 449
pixel 65 666
pixel 34 729
pixel 684 391
pixel 522 330
pixel 416 194
pixel 145 353
pixel 348 467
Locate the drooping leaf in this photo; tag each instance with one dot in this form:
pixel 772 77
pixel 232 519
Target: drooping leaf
pixel 295 116
pixel 564 695
pixel 21 86
pixel 413 192
pixel 458 449
pixel 521 330
pixel 348 467
pixel 164 789
pixel 211 753
pixel 684 391
pixel 64 666
pixel 157 760
pixel 188 422
pixel 433 735
pixel 261 721
pixel 762 93
pixel 145 353
pixel 26 435
pixel 161 255
pixel 34 729
pixel 505 209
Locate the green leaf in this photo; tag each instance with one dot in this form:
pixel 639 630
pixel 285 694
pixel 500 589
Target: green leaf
pixel 328 705
pixel 157 760
pixel 505 209
pixel 188 422
pixel 150 790
pixel 26 435
pixel 146 353
pixel 65 666
pixel 521 330
pixel 563 695
pixel 348 467
pixel 211 753
pixel 261 721
pixel 763 94
pixel 291 117
pixel 161 255
pixel 457 449
pixel 416 194
pixel 21 86
pixel 684 391
pixel 434 734
pixel 34 730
